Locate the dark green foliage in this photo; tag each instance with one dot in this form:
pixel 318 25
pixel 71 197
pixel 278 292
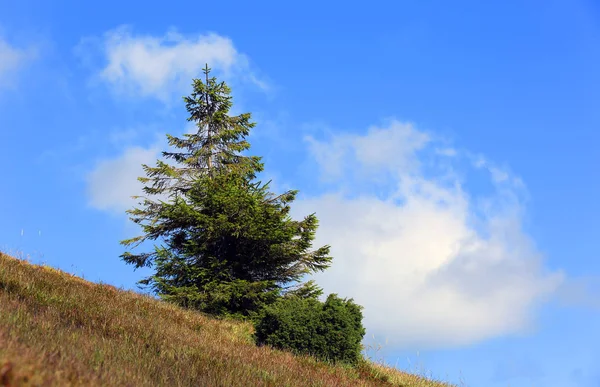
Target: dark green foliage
pixel 232 248
pixel 330 331
pixel 228 245
pixel 215 147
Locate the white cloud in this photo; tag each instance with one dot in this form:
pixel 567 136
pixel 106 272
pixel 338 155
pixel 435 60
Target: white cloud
pixel 162 66
pixel 431 268
pixel 583 292
pixel 112 182
pixel 12 59
pixel 397 144
pixel 393 147
pixel 449 152
pixel 498 175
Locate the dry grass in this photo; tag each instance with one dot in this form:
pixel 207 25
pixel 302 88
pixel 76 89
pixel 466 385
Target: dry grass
pixel 59 330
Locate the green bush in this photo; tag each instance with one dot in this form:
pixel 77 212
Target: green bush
pixel 330 331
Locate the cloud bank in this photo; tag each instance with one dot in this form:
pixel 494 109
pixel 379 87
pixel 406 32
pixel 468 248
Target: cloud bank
pixel 433 266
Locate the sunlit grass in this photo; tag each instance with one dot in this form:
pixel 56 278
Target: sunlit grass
pixel 60 330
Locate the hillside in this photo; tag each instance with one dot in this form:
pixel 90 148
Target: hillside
pixel 58 329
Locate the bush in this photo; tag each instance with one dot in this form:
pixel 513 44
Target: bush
pixel 330 331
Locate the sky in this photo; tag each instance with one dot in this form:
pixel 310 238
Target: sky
pixel 449 150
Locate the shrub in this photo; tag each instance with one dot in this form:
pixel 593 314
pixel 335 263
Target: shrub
pixel 330 330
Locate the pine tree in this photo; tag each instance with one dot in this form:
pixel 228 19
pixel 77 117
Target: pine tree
pixel 228 245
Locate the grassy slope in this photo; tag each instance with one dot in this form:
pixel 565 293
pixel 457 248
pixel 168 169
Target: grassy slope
pixel 57 329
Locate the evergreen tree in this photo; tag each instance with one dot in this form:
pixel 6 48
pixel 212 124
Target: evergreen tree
pixel 228 245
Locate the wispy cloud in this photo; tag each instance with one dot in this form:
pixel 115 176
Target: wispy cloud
pixel 163 66
pixel 369 153
pixel 113 182
pixel 13 59
pixel 580 292
pixel 431 266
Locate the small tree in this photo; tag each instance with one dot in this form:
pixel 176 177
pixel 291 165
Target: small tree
pixel 228 245
pixel 330 331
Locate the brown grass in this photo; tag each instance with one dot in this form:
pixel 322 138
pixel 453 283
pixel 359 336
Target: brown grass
pixel 59 330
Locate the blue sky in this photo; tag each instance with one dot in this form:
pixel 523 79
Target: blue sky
pixel 448 149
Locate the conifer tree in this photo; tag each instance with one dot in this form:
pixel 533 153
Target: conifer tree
pixel 228 246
